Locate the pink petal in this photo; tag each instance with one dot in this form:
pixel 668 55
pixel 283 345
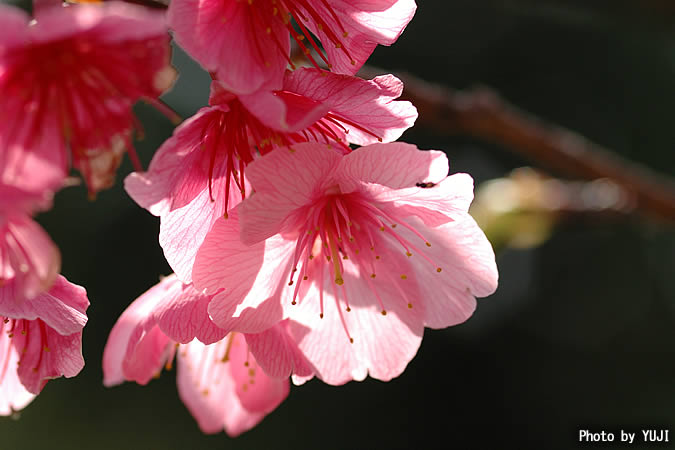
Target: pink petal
pixel 405 165
pixel 367 23
pixel 47 355
pixel 136 348
pixel 284 111
pixel 207 29
pixel 114 22
pixel 183 231
pixel 182 315
pixel 468 266
pixel 262 216
pixel 383 344
pixel 176 174
pixel 30 261
pixel 369 103
pixel 13 29
pixel 256 391
pixel 277 353
pixel 62 308
pixel 13 395
pixel 247 277
pixel 206 386
pixel 435 205
pixel 36 169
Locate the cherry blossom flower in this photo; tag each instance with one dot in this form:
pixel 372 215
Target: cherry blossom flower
pixel 247 42
pixel 228 380
pixel 189 180
pixel 361 251
pixel 69 80
pixel 40 339
pixel 29 260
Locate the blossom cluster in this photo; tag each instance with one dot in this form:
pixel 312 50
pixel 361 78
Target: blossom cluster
pixel 305 242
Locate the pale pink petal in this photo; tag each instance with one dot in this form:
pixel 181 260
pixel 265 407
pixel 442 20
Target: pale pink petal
pixel 13 395
pixel 29 261
pixel 183 231
pixel 256 391
pixel 468 270
pixel 277 353
pixel 435 205
pixel 248 275
pixel 182 315
pixel 396 165
pixel 207 388
pixel 371 104
pixel 367 23
pixel 225 37
pixel 136 349
pixel 382 344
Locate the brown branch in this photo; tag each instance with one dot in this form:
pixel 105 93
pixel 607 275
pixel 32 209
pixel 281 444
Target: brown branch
pixel 482 114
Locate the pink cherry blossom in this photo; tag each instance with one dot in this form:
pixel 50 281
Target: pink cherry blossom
pixel 211 150
pixel 69 80
pixel 247 43
pixel 34 350
pixel 228 380
pixel 357 251
pixel 29 261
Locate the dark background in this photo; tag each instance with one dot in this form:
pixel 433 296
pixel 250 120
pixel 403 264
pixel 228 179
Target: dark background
pixel 579 334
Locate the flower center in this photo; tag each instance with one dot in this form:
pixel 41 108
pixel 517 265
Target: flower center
pixel 348 233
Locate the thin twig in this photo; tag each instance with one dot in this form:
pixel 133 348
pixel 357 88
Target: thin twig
pixel 482 114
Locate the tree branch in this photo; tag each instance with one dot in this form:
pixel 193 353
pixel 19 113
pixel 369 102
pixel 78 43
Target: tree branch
pixel 482 114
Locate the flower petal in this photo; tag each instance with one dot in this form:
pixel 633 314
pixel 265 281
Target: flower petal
pixel 277 353
pixel 247 277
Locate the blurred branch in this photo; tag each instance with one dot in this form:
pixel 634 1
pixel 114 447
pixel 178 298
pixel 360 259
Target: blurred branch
pixel 482 114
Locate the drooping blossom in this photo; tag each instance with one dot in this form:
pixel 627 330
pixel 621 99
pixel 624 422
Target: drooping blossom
pixel 29 260
pixel 37 347
pixel 228 380
pixel 192 177
pixel 360 251
pixel 247 42
pixel 69 79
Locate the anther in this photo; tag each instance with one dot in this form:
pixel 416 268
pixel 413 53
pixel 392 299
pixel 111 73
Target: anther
pixel 348 309
pixel 438 269
pixel 409 305
pixel 428 244
pixel 404 277
pixel 384 312
pixel 408 254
